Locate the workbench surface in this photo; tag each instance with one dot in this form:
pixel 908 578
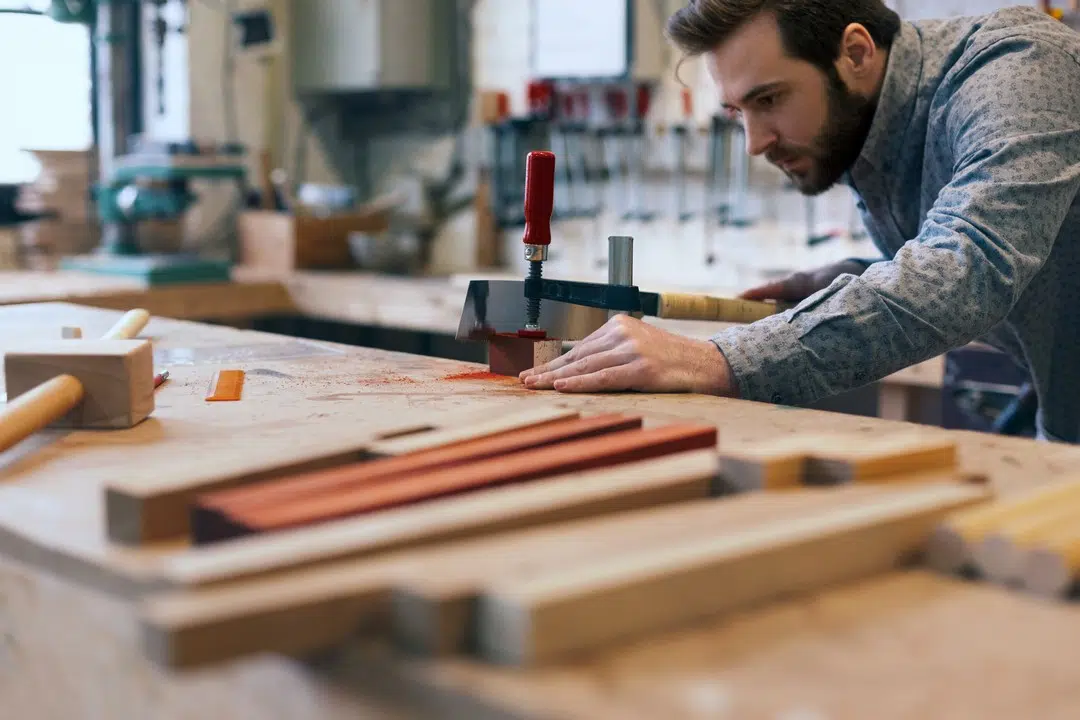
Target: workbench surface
pixel 420 304
pixel 906 645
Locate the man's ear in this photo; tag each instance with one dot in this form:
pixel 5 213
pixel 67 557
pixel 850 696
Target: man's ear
pixel 858 51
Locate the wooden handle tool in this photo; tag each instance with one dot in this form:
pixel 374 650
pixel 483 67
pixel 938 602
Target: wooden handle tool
pixel 52 399
pixel 34 410
pixel 687 306
pixel 129 326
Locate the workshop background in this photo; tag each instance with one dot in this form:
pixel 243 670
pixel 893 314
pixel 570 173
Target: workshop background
pixel 401 129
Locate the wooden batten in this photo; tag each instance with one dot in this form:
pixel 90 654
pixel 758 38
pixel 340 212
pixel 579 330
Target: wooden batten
pixel 148 508
pixel 553 615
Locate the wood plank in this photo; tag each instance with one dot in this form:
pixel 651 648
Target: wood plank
pixel 211 513
pixel 647 483
pixel 557 614
pixel 433 613
pixel 146 508
pixel 834 458
pixel 452 432
pixel 1001 554
pixel 315 608
pixel 573 456
pixel 952 544
pixel 876 459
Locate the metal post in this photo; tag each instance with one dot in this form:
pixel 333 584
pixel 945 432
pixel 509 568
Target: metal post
pixel 620 260
pixel 114 36
pixel 620 263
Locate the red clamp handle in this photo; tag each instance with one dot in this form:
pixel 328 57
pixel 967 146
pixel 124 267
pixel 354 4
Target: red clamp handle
pixel 539 197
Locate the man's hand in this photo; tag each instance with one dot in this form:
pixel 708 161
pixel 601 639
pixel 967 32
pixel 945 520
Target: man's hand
pixel 801 285
pixel 628 354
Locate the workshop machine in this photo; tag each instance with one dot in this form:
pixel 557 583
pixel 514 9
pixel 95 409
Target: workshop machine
pixel 140 180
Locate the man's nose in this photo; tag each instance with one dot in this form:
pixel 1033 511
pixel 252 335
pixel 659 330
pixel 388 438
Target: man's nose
pixel 759 137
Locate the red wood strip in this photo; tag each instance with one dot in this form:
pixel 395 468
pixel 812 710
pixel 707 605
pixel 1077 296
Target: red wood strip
pixel 210 512
pixel 578 455
pixel 319 481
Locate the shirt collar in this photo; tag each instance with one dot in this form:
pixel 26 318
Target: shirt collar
pixel 896 100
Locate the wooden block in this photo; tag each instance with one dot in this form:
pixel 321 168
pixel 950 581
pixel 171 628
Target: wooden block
pixel 512 355
pixel 433 613
pixel 780 463
pixel 647 483
pixel 151 508
pixel 832 458
pixel 1050 568
pixel 213 514
pixel 552 615
pixel 1000 556
pixel 316 608
pixel 117 378
pixel 231 605
pixel 577 455
pixel 293 615
pixel 875 459
pixel 952 544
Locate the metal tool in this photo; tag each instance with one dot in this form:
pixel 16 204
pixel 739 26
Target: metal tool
pixel 493 307
pixel 539 203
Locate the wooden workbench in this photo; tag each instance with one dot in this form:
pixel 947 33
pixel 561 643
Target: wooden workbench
pixel 420 304
pixel 238 300
pixel 906 645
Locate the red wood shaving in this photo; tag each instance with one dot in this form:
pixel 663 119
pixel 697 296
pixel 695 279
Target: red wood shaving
pixel 482 375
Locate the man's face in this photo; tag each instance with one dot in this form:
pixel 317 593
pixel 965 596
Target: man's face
pixel 804 121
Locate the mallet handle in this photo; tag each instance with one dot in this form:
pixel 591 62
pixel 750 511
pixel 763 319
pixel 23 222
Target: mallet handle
pixel 35 409
pixel 128 326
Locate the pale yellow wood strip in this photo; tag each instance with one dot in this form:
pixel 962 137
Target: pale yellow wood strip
pixel 553 615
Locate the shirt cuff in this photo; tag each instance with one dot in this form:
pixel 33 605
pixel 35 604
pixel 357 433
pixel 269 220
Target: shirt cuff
pixel 769 363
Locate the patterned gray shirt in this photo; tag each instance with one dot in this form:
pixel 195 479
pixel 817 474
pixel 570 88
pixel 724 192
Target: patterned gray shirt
pixel 968 186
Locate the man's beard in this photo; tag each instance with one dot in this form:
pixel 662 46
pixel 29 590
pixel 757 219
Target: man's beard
pixel 836 148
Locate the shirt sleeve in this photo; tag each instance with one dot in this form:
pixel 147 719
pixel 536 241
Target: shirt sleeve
pixel 1014 120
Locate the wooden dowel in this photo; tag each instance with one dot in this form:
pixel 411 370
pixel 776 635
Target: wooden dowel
pixel 35 409
pixel 129 326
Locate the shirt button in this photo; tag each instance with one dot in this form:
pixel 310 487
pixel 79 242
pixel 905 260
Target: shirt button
pixel 778 399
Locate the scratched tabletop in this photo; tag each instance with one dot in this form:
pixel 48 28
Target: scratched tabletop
pixel 906 645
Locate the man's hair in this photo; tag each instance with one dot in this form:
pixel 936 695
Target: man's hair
pixel 811 30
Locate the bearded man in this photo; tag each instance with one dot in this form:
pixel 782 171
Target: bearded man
pixel 960 139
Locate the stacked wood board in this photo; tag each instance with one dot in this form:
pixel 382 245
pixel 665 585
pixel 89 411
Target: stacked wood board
pixel 1031 541
pixel 521 539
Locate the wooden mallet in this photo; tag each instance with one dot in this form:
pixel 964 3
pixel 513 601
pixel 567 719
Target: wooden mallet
pixel 107 383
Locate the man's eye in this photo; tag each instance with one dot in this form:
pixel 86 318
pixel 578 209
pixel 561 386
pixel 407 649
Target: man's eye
pixel 767 101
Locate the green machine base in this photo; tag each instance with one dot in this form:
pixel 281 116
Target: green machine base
pixel 154 269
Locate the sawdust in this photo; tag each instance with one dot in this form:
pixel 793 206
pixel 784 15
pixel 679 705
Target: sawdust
pixel 387 380
pixel 480 375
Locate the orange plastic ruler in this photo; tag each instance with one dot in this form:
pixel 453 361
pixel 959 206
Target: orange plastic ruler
pixel 225 385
